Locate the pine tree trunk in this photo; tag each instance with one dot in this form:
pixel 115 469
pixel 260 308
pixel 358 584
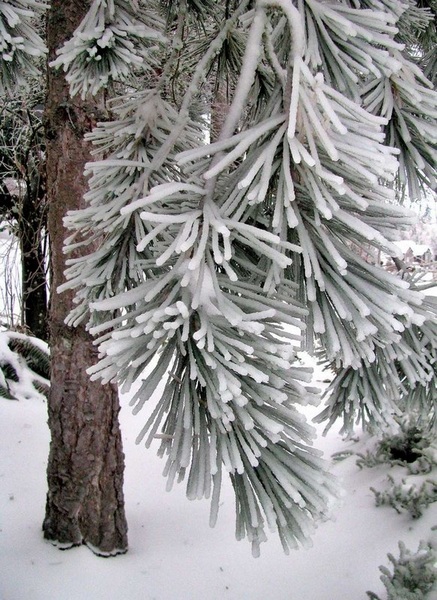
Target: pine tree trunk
pixel 86 462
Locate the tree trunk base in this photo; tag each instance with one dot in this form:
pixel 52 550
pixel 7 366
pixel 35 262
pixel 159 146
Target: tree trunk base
pixel 94 550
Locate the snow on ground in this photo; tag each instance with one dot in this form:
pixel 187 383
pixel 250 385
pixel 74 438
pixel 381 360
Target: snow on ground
pixel 174 555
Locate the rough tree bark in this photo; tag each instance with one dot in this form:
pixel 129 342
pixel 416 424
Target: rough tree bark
pixel 86 462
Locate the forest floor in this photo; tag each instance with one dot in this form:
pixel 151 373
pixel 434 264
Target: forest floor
pixel 174 555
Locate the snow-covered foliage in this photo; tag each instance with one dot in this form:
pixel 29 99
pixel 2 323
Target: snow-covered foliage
pixel 24 366
pixel 412 449
pixel 414 574
pixel 205 261
pixel 111 42
pixel 405 496
pixel 401 380
pixel 20 43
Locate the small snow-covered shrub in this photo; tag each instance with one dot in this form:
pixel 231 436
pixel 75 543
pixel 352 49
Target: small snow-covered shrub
pixel 24 366
pixel 414 574
pixel 409 445
pixel 407 496
pixel 412 447
pixel 372 458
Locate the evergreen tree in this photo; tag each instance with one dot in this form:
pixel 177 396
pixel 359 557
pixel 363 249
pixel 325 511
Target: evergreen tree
pixel 211 248
pixel 205 261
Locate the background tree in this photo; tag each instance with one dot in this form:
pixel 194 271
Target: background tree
pixel 22 186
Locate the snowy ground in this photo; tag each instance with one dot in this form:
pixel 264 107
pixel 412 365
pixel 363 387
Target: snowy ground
pixel 174 555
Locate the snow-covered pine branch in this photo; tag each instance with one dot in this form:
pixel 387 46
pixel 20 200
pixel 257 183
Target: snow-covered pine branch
pixel 20 43
pixel 114 40
pixel 24 366
pixel 330 168
pixel 408 101
pixel 401 380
